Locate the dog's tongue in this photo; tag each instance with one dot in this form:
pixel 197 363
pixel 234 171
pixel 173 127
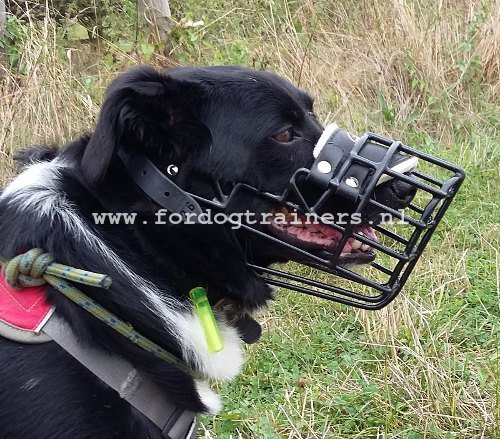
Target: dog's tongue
pixel 320 236
pixel 368 232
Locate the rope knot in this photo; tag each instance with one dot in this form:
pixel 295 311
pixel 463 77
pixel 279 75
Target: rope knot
pixel 36 267
pixel 27 269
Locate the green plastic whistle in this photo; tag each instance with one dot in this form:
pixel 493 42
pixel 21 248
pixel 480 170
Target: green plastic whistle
pixel 207 319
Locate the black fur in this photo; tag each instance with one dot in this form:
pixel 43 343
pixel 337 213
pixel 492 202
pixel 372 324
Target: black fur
pixel 38 154
pixel 214 124
pixel 210 122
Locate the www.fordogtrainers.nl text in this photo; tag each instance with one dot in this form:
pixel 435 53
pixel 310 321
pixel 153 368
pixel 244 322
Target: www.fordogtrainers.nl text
pixel 237 219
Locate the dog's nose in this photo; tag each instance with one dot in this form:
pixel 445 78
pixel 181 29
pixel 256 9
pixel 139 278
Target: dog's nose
pixel 405 165
pixel 404 191
pixel 395 193
pixel 393 190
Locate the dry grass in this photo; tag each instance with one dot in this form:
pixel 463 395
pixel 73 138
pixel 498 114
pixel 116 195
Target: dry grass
pixel 488 48
pixel 46 104
pixel 409 51
pixel 424 367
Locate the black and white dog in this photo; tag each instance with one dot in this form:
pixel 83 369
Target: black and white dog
pixel 227 124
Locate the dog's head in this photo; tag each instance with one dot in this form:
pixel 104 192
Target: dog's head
pixel 228 124
pixel 220 127
pixel 221 124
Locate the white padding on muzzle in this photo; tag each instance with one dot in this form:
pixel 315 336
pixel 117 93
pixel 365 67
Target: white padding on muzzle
pixel 320 144
pixel 408 165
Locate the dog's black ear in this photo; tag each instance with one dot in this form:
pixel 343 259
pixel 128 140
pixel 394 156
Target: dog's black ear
pixel 142 109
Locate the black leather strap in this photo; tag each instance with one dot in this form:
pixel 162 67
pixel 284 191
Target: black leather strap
pixel 157 185
pixel 336 151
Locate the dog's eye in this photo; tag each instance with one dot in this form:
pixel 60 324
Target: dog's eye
pixel 285 136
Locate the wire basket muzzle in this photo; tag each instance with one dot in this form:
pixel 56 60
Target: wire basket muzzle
pixel 393 207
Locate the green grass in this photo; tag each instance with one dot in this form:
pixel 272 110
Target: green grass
pixel 425 72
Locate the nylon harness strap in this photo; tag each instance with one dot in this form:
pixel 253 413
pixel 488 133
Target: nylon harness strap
pixel 120 375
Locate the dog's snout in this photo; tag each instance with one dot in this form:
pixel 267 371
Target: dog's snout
pixel 404 191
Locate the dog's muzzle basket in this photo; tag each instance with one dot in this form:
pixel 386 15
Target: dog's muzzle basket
pixel 361 177
pixel 355 176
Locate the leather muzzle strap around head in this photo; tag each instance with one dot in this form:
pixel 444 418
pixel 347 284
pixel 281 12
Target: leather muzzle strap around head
pixel 157 185
pixel 120 375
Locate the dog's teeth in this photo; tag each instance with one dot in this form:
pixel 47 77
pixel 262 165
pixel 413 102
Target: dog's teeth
pixel 356 245
pixel 365 247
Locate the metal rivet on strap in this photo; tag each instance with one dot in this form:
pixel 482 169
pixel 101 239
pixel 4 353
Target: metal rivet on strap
pixel 352 182
pixel 172 170
pixel 324 167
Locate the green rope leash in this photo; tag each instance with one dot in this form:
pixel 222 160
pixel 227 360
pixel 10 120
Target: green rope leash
pixel 35 268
